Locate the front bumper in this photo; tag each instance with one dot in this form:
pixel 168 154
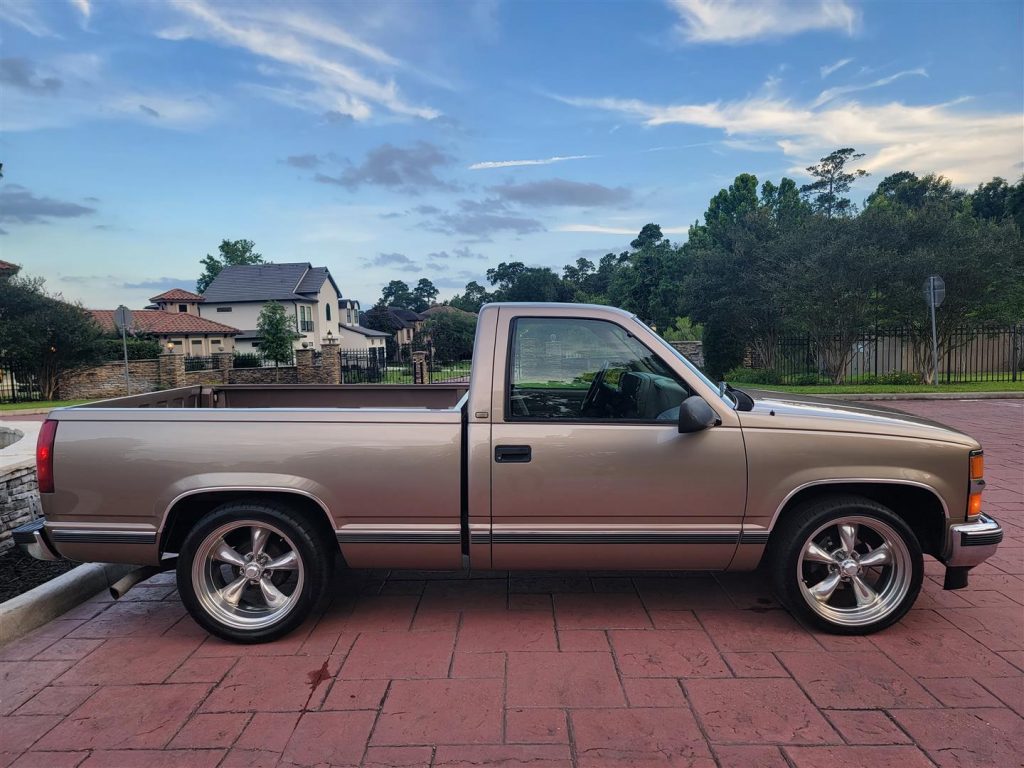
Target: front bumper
pixel 974 542
pixel 31 537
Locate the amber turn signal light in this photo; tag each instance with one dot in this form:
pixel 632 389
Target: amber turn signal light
pixel 977 466
pixel 974 505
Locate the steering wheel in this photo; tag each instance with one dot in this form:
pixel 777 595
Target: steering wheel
pixel 590 399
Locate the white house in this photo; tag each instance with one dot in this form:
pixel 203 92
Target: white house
pixel 238 294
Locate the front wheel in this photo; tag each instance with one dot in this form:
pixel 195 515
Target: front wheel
pixel 251 572
pixel 847 565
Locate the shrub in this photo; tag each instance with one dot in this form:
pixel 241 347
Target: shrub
pixel 753 376
pixel 893 378
pixel 247 360
pixel 806 380
pixel 138 349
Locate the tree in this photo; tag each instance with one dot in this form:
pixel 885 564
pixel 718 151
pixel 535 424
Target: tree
pixel 832 182
pixel 514 281
pixel 397 294
pixel 45 335
pixel 277 333
pixel 232 253
pixel 380 318
pixel 424 295
pixel 649 280
pixel 451 335
pixel 474 297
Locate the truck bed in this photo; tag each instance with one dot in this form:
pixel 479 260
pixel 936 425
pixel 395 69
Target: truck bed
pixel 306 396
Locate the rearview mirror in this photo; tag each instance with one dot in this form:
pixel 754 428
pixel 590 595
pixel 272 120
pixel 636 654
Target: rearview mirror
pixel 696 415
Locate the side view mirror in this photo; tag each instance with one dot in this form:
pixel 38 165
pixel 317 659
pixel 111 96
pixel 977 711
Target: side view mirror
pixel 696 415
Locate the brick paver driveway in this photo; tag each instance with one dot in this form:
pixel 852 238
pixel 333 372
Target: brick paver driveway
pixel 545 670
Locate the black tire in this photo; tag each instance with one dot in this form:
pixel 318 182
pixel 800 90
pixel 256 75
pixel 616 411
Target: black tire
pixel 289 531
pixel 792 580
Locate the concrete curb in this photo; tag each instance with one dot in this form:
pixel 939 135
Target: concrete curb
pixel 21 614
pixel 926 396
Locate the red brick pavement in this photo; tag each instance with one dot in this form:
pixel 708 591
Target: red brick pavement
pixel 544 670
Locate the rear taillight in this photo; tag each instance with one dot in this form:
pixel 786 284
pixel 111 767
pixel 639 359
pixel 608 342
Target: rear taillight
pixel 44 456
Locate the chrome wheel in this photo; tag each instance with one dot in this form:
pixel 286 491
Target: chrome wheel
pixel 854 571
pixel 247 574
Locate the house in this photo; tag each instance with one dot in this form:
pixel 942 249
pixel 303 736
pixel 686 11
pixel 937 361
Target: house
pixel 353 336
pixel 177 300
pixel 408 323
pixel 186 333
pixel 308 293
pixel 8 270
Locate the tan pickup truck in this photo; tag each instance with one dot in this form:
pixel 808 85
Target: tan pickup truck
pixel 582 440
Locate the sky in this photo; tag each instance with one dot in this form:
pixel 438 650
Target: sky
pixel 399 140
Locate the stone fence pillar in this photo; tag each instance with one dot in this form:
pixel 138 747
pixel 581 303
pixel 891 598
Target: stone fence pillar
pixel 224 362
pixel 172 369
pixel 419 367
pixel 304 366
pixel 330 361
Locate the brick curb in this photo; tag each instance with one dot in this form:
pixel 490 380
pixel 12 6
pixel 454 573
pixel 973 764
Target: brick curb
pixel 21 614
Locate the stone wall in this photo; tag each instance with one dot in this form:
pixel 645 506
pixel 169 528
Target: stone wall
pixel 19 501
pixel 107 380
pixel 286 374
pixel 691 350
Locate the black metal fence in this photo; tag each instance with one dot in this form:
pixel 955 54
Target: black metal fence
pixel 18 385
pixel 372 366
pixel 970 354
pixel 199 363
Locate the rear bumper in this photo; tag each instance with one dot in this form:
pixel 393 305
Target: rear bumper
pixel 31 537
pixel 973 543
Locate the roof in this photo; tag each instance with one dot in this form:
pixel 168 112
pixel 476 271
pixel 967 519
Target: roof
pixel 445 309
pixel 300 281
pixel 6 266
pixel 405 317
pixel 164 323
pixel 177 294
pixel 364 331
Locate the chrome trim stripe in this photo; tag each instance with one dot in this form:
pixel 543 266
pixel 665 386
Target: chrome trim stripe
pixel 103 537
pixel 600 537
pixel 381 537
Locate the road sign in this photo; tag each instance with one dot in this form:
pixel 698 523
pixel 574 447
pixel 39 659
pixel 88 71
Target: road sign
pixel 934 291
pixel 122 318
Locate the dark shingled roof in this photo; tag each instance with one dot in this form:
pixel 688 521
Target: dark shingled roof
pixel 300 281
pixel 364 331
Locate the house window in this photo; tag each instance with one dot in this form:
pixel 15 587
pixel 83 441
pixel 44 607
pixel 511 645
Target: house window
pixel 305 318
pixel 216 341
pixel 183 307
pixel 327 307
pixel 223 309
pixel 196 341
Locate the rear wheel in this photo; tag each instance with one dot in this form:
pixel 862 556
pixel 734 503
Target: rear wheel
pixel 251 572
pixel 847 565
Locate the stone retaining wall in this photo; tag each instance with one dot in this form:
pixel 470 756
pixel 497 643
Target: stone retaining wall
pixel 107 380
pixel 692 350
pixel 19 501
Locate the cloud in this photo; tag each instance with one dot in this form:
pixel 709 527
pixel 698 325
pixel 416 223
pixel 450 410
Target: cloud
pixel 488 164
pixel 830 68
pixel 160 284
pixel 84 7
pixel 19 205
pixel 310 55
pixel 830 94
pixel 21 73
pixel 303 161
pixel 25 15
pixel 398 261
pixel 603 230
pixel 562 192
pixel 966 146
pixel 736 21
pixel 149 111
pixel 408 169
pixel 461 254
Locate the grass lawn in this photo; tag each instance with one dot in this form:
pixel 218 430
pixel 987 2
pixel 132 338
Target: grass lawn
pixel 863 389
pixel 40 404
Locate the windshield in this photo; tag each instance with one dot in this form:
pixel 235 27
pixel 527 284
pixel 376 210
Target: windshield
pixel 728 398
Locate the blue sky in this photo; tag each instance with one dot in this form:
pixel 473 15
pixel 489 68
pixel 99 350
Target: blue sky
pixel 400 140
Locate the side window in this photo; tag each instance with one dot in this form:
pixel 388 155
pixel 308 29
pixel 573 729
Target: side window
pixel 591 370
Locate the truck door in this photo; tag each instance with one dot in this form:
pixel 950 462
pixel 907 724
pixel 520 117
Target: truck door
pixel 588 467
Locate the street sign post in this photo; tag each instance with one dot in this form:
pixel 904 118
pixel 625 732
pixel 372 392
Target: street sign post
pixel 123 319
pixel 934 293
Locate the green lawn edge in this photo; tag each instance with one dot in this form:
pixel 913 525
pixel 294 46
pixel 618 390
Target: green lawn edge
pixel 40 404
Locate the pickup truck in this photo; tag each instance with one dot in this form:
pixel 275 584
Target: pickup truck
pixel 582 440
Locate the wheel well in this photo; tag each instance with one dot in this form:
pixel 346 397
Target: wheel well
pixel 189 510
pixel 919 507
